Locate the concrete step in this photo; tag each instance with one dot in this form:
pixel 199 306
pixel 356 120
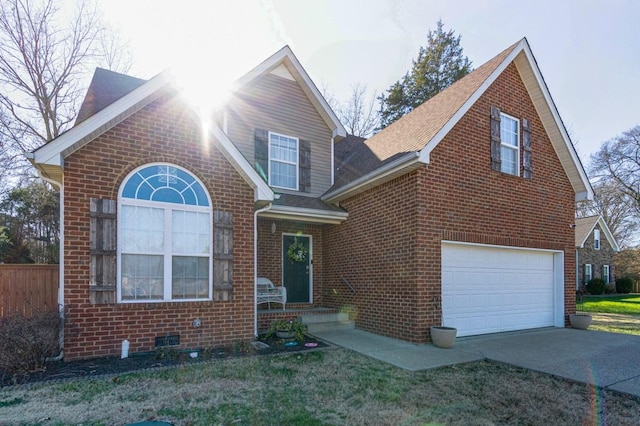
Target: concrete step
pixel 326 322
pixel 322 318
pixel 330 326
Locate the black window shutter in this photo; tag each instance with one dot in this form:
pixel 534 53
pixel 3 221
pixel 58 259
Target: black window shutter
pixel 222 255
pixel 261 153
pixel 304 154
pixel 102 250
pixel 527 149
pixel 495 139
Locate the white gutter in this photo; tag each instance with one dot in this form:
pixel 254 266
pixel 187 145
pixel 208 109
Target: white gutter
pixel 309 215
pixel 368 179
pixel 255 266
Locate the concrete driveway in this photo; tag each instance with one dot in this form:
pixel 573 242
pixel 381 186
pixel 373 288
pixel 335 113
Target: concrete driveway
pixel 607 360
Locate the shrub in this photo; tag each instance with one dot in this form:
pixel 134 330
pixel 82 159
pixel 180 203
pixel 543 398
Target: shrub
pixel 27 342
pixel 624 285
pixel 596 286
pixel 609 289
pixel 287 325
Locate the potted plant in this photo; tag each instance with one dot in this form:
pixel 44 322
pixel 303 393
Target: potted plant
pixel 579 320
pixel 287 329
pixel 443 337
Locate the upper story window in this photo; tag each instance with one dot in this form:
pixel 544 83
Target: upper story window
pixel 283 161
pixel 164 236
pixel 596 239
pixel 509 144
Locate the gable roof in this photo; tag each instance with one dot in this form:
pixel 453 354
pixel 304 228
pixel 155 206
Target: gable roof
pixel 105 88
pixel 285 57
pixel 585 226
pixel 113 97
pixel 407 143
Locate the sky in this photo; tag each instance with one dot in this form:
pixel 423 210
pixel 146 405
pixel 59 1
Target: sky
pixel 588 51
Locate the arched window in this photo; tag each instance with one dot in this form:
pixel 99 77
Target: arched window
pixel 164 236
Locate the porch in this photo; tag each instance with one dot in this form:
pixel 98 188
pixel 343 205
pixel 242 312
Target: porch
pixel 292 312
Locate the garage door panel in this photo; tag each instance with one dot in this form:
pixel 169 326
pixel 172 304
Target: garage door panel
pixel 489 289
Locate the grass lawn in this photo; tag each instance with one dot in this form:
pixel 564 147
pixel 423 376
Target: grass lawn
pixel 614 314
pixel 334 386
pixel 628 304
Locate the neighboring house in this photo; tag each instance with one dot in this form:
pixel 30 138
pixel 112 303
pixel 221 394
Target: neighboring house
pixel 458 213
pixel 595 251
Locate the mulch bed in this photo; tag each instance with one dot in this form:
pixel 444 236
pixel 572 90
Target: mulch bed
pixel 163 357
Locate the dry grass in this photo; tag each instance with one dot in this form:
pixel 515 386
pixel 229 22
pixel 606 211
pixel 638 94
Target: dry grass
pixel 615 323
pixel 334 386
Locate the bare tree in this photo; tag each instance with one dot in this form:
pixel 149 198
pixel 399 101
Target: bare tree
pixel 358 115
pixel 619 159
pixel 615 174
pixel 116 55
pixel 43 67
pixel 616 208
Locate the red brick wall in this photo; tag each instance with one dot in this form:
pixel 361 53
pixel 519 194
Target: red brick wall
pixel 375 251
pixel 270 252
pixel 161 132
pixel 389 249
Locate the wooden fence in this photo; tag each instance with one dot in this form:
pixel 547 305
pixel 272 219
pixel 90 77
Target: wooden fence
pixel 26 289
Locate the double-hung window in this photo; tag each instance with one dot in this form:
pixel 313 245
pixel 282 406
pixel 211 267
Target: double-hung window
pixel 596 239
pixel 164 236
pixel 587 273
pixel 283 161
pixel 606 275
pixel 509 144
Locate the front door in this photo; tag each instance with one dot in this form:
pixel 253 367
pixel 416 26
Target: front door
pixel 296 267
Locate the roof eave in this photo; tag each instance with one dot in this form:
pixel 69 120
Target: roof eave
pixel 262 191
pixel 553 124
pixel 304 214
pixel 398 167
pixel 54 152
pixel 607 233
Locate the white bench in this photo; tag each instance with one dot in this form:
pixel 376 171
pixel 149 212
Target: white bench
pixel 268 293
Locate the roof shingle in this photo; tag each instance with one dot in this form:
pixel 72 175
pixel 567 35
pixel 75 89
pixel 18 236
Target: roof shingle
pixel 415 130
pixel 106 87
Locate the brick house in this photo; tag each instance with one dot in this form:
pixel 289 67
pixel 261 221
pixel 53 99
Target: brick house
pixel 595 251
pixel 458 213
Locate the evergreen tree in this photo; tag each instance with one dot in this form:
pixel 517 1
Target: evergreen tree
pixel 439 64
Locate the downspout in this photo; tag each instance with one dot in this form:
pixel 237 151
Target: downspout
pixel 577 270
pixel 333 165
pixel 255 266
pixel 60 187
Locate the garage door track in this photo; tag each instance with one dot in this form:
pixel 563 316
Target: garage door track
pixel 607 360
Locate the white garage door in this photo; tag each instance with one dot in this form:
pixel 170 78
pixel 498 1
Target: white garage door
pixel 489 289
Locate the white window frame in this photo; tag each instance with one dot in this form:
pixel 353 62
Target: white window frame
pixel 596 239
pixel 296 163
pixel 587 266
pixel 606 274
pixel 167 253
pixel 509 146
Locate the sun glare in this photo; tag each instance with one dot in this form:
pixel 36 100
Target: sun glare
pixel 203 92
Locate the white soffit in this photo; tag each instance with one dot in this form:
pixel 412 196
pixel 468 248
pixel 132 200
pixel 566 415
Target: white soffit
pixel 282 71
